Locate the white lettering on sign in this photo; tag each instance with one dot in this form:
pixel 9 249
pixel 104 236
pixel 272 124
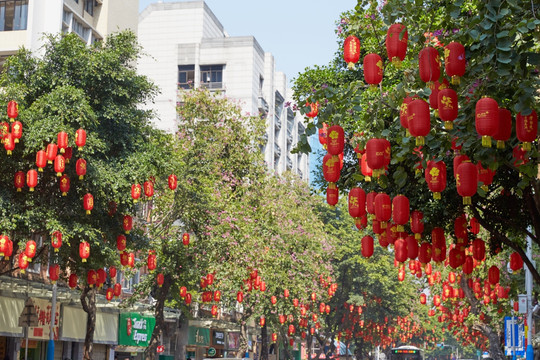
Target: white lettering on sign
pixel 137 337
pixel 139 324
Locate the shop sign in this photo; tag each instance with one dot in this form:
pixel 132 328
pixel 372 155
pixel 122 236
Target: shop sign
pixel 234 340
pixel 218 338
pixel 135 329
pixel 199 336
pixel 211 352
pixel 43 310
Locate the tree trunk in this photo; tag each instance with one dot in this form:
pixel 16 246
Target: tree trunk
pixel 285 340
pixel 88 302
pixel 243 346
pixel 161 296
pixel 264 343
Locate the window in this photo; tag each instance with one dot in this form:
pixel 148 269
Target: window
pixel 13 15
pixel 212 76
pixel 186 76
pixel 89 7
pixel 78 28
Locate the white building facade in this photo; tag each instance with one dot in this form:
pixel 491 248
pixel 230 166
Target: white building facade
pixel 188 47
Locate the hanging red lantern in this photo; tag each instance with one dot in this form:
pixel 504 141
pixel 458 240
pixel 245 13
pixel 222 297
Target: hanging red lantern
pixel 412 247
pixel 59 165
pixel 127 223
pixel 485 175
pixel 367 246
pixel 117 290
pixel 188 299
pixel 240 296
pixel 417 223
pixel 332 194
pixel 91 278
pixel 112 272
pixel 64 184
pixel 52 150
pixel 527 129
pixel 436 87
pixel 80 138
pixel 31 179
pixel 68 154
pixel 56 240
pixel 160 279
pixel 487 119
pixel 404 113
pixel 214 310
pixel 456 258
pixel 16 131
pixel 396 43
pixel 148 189
pixel 454 61
pixel 19 180
pixel 493 275
pixel 84 250
pixel 460 227
pixel 135 192
pixel 435 175
pixel 80 167
pixel 323 135
pixel 474 225
pixel 370 203
pixel 467 181
pixel 373 69
pixel 331 168
pixel 131 259
pixel 124 257
pixel 516 262
pixel 62 140
pixel 9 143
pixel 357 202
pixel 151 262
pixel 313 297
pixel 173 182
pixel 274 337
pixel 335 140
pixel 438 243
pixel 54 272
pixel 12 109
pixel 448 107
pixel 468 265
pixel 383 208
pixel 429 64
pixel 23 262
pixel 88 203
pixel 419 120
pixel 102 277
pixel 400 251
pixel 30 250
pixel 504 130
pixel 479 249
pixel 351 51
pixel 4 246
pixel 121 242
pixel 423 299
pixel 262 321
pixel 273 299
pixel 375 155
pixel 41 160
pixel 183 292
pixel 109 294
pixel 361 222
pixel 364 168
pixel 314 109
pixel 185 239
pixel 73 280
pixel 400 211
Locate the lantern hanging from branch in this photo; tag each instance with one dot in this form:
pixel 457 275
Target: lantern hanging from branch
pixel 23 262
pixel 117 290
pixel 80 138
pixel 430 65
pixel 54 272
pixel 404 114
pixel 185 239
pixel 131 259
pixel 41 160
pixel 479 249
pixel 377 155
pixel 109 294
pixel 419 120
pixel 19 180
pixel 151 261
pixel 68 154
pixel 127 223
pixel 52 150
pixel 88 203
pixel 331 168
pixel 62 140
pixel 365 169
pixel 91 278
pixel 357 203
pixel 148 189
pixel 335 140
pixel 373 69
pixel 12 110
pixel 135 192
pixel 9 143
pixel 313 109
pixel 160 279
pixel 323 135
pixel 487 119
pixel 467 181
pixel 84 250
pixel 80 167
pixel 400 251
pixel 351 51
pixel 485 176
pixel 64 184
pixel 454 61
pixel 516 262
pixel 417 224
pixel 121 242
pixel 435 175
pixel 31 179
pixel 383 208
pixel 59 165
pixel 367 246
pixel 396 43
pixel 173 182
pixel 332 194
pixel 56 240
pixel 504 130
pixel 448 107
pixel 16 131
pixel 112 272
pixel 527 129
pixel 493 275
pixel 412 247
pixel 73 280
pixel 438 243
pixel 400 211
pixel 30 250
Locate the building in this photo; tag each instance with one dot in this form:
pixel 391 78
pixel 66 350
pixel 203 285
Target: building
pixel 188 47
pixel 23 22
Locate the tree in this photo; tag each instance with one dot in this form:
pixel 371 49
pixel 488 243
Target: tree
pixel 96 89
pixel 501 45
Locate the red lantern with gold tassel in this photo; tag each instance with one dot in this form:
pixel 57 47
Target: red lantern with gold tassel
pixel 438 243
pixel 504 130
pixel 262 321
pixel 323 134
pixel 91 278
pixel 102 277
pixel 423 299
pixel 62 140
pixel 373 69
pixel 417 224
pixel 112 272
pixel 151 261
pixel 109 294
pixel 121 242
pixel 357 202
pixel 54 272
pixel 56 240
pixel 396 43
pixel 131 259
pixel 527 129
pixel 4 246
pixel 493 275
pixel 127 223
pixel 351 51
pixel 173 182
pixel 467 181
pixel 485 175
pixel 31 179
pixel 19 180
pixel 73 280
pixel 23 262
pixel 487 119
pixel 68 154
pixel 59 165
pixel 12 110
pixel 332 194
pixel 124 257
pixel 41 160
pixel 331 168
pixel 468 265
pixel 375 155
pixel 160 279
pixel 436 87
pixel 80 138
pixel 9 143
pixel 516 262
pixel 456 258
pixel 367 246
pixel 335 140
pixel 479 249
pixel 419 120
pixel 454 61
pixel 404 113
pixel 16 131
pixel 148 188
pixel 400 211
pixel 365 169
pixel 88 203
pixel 117 290
pixel 52 150
pixel 136 192
pixel 429 64
pixel 383 208
pixel 400 250
pixel 448 107
pixel 80 167
pixel 30 250
pixel 412 247
pixel 370 203
pixel 185 239
pixel 84 250
pixel 435 175
pixel 314 109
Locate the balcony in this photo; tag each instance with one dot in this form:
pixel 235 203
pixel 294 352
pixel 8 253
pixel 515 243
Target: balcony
pixel 263 106
pixel 289 163
pixel 277 122
pixel 277 151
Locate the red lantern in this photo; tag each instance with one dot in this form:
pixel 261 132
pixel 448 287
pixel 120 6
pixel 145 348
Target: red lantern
pixel 41 160
pixel 102 277
pixel 400 250
pixel 438 244
pixel 62 139
pixel 351 51
pixel 88 203
pixel 135 192
pixel 504 130
pixel 131 259
pixel 335 140
pixel 124 257
pixel 468 265
pixel 479 250
pixel 117 290
pixel 56 240
pixel 31 179
pixel 383 208
pixel 4 246
pixel 361 222
pixel 435 175
pixel 456 258
pixel 52 150
pixel 16 131
pixel 487 119
pixel 64 184
pixel 214 310
pixel 357 202
pixel 460 227
pixel 419 120
pixel 417 224
pixel 188 299
pixel 423 299
pixel 436 87
pixel 121 242
pixel 412 247
pixel 185 239
pixel 467 181
pixel 19 180
pixel 23 262
pixel 4 130
pixel 313 297
pixel 448 107
pixel 331 168
pixel 323 135
pixel 91 278
pixel 396 43
pixel 332 194
pixel 314 109
pixel 286 293
pixel 127 223
pixel 59 165
pixel 430 65
pixel 262 321
pixel 30 250
pixel 12 109
pixel 454 61
pixel 404 113
pixel 527 129
pixel 493 275
pixel 173 182
pixel 9 143
pixel 68 154
pixel 373 69
pixel 273 299
pixel 400 211
pixel 240 296
pixel 151 261
pixel 80 167
pixel 474 225
pixel 370 202
pixel 376 155
pixel 183 292
pixel 516 262
pixel 364 167
pixel 80 138
pixel 84 250
pixel 148 188
pixel 73 280
pixel 54 272
pixel 160 279
pixel 485 175
pixel 109 294
pixel 112 272
pixel 367 246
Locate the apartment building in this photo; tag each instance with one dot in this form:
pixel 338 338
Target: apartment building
pixel 188 47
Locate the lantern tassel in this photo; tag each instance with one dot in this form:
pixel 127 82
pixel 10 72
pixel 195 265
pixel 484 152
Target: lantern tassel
pixel 400 228
pixel 417 236
pixel 19 190
pixel 83 260
pixel 436 113
pixel 526 146
pixel 448 125
pixel 88 212
pixel 486 141
pixel 407 133
pixel 383 224
pixel 396 61
pixel 367 178
pixel 58 174
pixel 484 187
pixel 31 189
pixel 437 195
pixel 49 162
pixel 80 176
pixel 467 200
pixel 62 150
pixel 9 152
pixel 64 194
pixel 420 140
pixel 40 169
pixel 500 144
pixel 55 249
pixel 16 141
pixel 350 66
pixel 455 80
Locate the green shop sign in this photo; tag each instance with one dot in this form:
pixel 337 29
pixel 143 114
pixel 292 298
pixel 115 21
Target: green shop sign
pixel 135 329
pixel 199 336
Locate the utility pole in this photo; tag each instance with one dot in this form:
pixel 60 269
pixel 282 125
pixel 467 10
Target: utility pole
pixel 528 287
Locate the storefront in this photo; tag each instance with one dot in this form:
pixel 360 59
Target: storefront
pixel 134 334
pixel 198 343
